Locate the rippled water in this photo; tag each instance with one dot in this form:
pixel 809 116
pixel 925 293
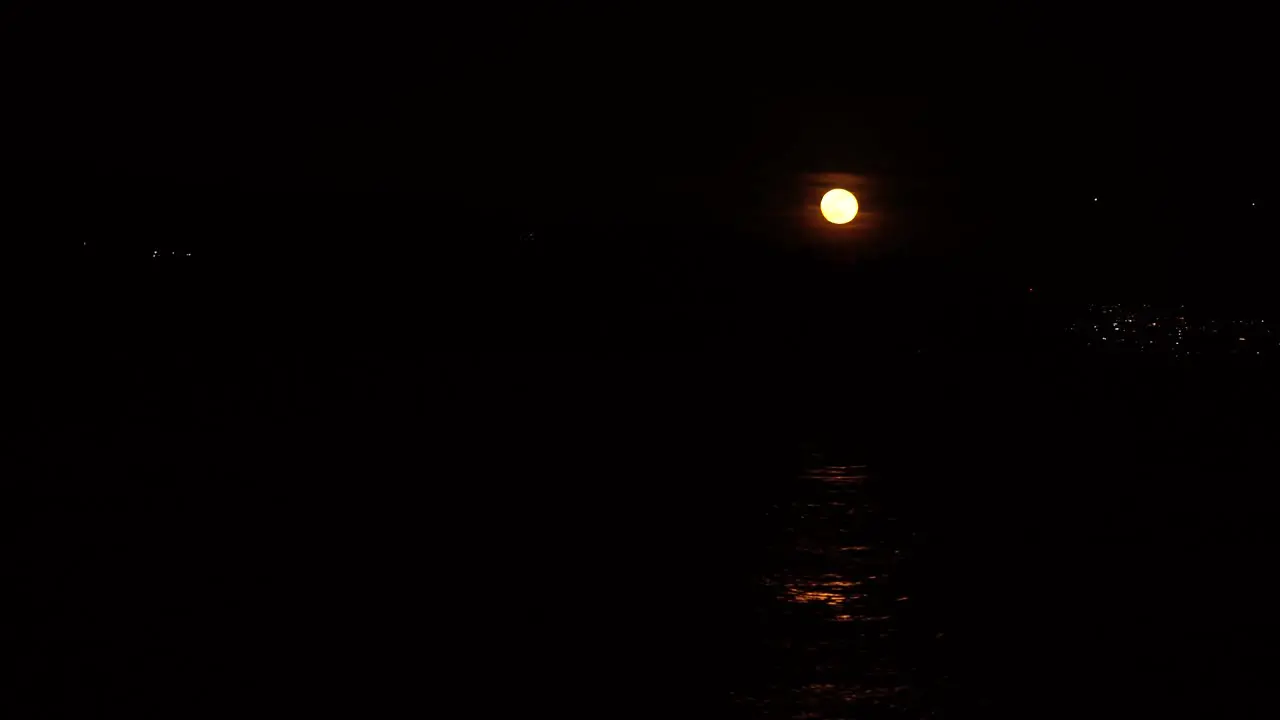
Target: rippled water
pixel 833 632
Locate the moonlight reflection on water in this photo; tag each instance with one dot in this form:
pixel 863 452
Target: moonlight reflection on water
pixel 833 608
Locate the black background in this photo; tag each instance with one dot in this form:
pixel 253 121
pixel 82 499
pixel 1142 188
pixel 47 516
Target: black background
pixel 378 443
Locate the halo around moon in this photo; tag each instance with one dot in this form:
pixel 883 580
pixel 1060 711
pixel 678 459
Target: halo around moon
pixel 839 206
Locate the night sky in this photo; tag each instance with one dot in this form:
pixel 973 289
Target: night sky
pixel 521 129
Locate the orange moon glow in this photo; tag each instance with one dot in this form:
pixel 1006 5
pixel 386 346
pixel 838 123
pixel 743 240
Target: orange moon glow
pixel 839 206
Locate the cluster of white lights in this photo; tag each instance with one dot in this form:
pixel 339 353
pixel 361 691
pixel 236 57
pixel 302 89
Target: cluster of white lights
pixel 1121 325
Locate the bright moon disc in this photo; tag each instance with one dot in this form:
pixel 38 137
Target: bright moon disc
pixel 839 206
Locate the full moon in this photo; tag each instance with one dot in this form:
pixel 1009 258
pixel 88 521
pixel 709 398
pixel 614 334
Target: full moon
pixel 839 206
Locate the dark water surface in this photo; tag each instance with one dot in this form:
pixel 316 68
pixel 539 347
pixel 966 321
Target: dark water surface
pixel 1060 541
pixel 204 519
